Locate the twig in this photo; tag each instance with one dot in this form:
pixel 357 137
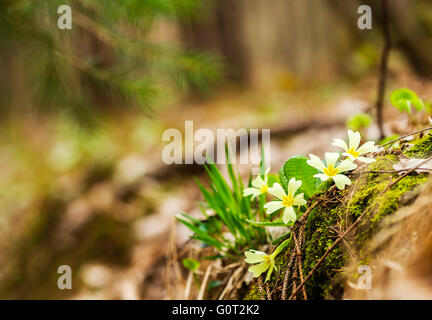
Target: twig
pixel 405 174
pixel 260 286
pixel 406 135
pixel 188 286
pixel 294 283
pixel 204 283
pixel 295 291
pixel 309 210
pixel 386 171
pixel 230 285
pixel 268 291
pixel 302 223
pixel 299 262
pixel 287 274
pixel 344 240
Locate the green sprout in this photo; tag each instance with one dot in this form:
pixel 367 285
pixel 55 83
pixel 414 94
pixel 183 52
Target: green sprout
pixel 191 264
pixel 404 99
pixel 359 121
pixel 226 211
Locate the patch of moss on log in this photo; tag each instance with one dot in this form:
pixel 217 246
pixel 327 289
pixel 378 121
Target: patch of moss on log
pixel 254 294
pixel 422 149
pixel 328 221
pixel 320 234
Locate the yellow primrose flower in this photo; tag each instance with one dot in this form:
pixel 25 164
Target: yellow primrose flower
pixel 330 170
pixel 259 186
pixel 286 200
pixel 263 260
pixel 352 150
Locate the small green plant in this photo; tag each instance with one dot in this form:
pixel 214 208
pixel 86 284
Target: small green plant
pixel 246 212
pixel 191 264
pixel 404 99
pixel 359 121
pixel 231 211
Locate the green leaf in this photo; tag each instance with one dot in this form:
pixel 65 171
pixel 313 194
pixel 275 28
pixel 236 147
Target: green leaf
pixel 296 167
pixel 199 232
pixel 214 284
pixel 191 264
pixel 268 224
pixel 404 99
pixel 272 178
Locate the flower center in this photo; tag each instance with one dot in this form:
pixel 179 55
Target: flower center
pixel 287 201
pixel 264 189
pixel 354 153
pixel 267 259
pixel 330 171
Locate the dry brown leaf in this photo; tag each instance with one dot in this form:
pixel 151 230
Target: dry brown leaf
pixel 407 164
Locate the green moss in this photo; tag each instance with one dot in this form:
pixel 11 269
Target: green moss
pixel 255 294
pixel 422 149
pixel 320 236
pixel 323 222
pixel 389 202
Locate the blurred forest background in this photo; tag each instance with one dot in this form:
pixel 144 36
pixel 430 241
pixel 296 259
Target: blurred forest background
pixel 82 113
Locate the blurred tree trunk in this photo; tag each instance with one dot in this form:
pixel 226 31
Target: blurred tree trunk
pixel 272 43
pixel 221 30
pixel 292 40
pixel 410 27
pixel 412 38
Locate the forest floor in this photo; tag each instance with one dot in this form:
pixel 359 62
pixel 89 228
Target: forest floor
pixel 116 179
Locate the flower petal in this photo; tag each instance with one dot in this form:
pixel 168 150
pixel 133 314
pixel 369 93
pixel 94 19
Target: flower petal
pixel 289 215
pixel 321 176
pixel 254 256
pixel 277 191
pixel 366 160
pixel 354 139
pixel 273 206
pixel 349 155
pixel 293 186
pixel 367 147
pixel 270 270
pixel 340 143
pixel 315 162
pixel 251 191
pixel 331 158
pixel 299 200
pixel 346 165
pixel 259 268
pixel 258 182
pixel 341 180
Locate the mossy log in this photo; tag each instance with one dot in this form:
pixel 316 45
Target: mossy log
pixel 333 216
